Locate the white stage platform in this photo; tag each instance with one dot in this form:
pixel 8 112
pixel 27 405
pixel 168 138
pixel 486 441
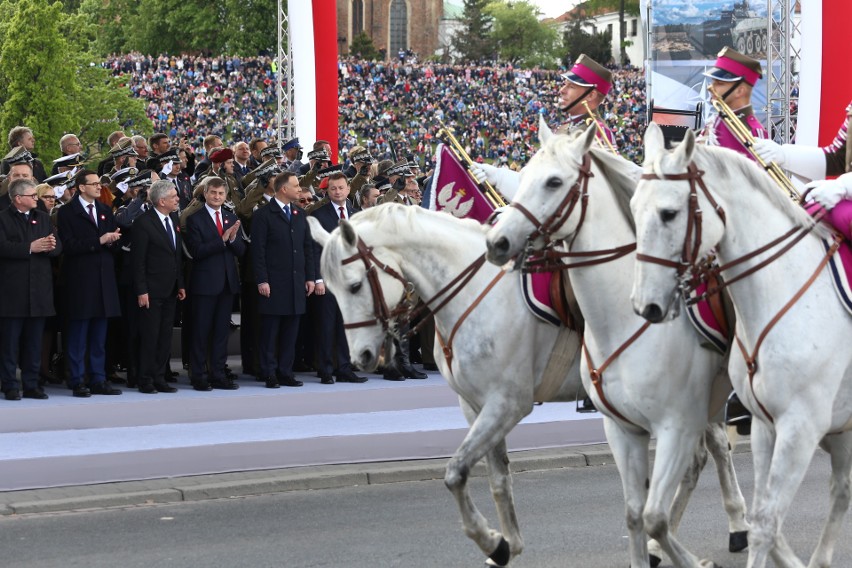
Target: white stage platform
pixel 70 441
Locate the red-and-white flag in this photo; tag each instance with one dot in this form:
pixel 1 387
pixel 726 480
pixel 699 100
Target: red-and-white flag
pixel 454 191
pixel 825 84
pixel 313 33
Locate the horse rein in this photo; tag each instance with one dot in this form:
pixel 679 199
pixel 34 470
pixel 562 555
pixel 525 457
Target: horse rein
pixel 689 261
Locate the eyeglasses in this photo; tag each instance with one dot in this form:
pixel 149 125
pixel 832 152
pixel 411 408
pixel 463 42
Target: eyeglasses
pixel 303 201
pixel 90 184
pixel 48 197
pixel 33 195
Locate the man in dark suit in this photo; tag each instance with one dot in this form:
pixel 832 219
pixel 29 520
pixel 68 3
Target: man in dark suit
pixel 214 241
pixel 330 332
pixel 156 250
pixel 88 230
pixel 284 269
pixel 26 244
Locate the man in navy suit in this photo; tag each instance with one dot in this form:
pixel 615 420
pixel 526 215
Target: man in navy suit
pixel 284 270
pixel 214 242
pixel 26 244
pixel 89 232
pixel 330 332
pixel 156 259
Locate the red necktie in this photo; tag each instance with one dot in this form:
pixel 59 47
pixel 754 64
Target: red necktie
pixel 219 224
pixel 92 213
pixel 342 215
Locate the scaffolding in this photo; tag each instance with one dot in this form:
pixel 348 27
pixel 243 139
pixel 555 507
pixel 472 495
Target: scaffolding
pixel 783 60
pixel 284 80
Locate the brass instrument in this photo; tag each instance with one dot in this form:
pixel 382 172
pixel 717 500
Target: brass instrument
pixel 489 191
pixel 744 137
pixel 603 139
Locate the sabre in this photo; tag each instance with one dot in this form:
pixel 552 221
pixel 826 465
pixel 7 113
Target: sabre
pixel 744 137
pixel 490 192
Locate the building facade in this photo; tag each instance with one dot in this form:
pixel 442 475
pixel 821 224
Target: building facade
pixel 393 25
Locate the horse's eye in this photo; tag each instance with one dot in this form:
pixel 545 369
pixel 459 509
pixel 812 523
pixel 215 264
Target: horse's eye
pixel 668 215
pixel 355 288
pixel 554 182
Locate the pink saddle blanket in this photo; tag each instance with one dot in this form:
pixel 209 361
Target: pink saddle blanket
pixel 536 293
pixel 840 265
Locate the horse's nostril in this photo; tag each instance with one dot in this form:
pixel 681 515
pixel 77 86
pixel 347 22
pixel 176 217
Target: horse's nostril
pixel 502 244
pixel 653 313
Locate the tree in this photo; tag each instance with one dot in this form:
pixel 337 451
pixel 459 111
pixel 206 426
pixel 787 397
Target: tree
pixel 576 40
pixel 624 7
pixel 521 37
pixel 35 85
pixel 473 41
pixel 363 47
pixel 51 86
pixel 251 26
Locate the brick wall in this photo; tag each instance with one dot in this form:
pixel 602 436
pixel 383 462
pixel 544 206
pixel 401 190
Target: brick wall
pixel 423 19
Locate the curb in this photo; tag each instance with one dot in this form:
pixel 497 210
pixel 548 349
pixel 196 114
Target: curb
pixel 241 484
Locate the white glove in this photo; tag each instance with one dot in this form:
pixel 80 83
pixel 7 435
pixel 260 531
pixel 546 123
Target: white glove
pixel 829 193
pixel 769 151
pixel 807 162
pixel 506 181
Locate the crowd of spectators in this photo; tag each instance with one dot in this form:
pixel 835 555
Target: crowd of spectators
pixel 395 106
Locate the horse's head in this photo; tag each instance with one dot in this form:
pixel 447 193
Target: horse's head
pixel 369 291
pixel 677 223
pixel 549 200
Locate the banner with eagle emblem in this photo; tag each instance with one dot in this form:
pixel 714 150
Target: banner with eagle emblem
pixel 454 191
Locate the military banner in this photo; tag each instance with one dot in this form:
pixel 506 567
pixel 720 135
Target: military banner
pixel 454 191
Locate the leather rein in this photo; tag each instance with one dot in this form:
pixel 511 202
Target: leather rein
pixel 407 309
pixel 702 270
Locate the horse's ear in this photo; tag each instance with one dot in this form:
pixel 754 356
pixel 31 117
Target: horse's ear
pixel 684 150
pixel 588 138
pixel 318 232
pixel 348 232
pixel 654 140
pixel 544 131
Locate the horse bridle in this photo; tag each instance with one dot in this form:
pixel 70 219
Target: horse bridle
pixel 690 261
pixel 407 310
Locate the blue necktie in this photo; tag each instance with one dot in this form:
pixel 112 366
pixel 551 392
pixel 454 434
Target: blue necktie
pixel 287 212
pixel 170 233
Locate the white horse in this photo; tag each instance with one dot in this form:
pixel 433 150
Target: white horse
pixel 659 381
pixel 798 378
pixel 502 357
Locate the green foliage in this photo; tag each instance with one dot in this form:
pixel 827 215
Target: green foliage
pixel 623 7
pixel 251 26
pixel 36 87
pixel 49 84
pixel 576 40
pixel 363 47
pixel 473 42
pixel 520 36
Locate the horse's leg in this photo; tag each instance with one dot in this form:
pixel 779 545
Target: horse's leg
pixel 717 444
pixel 794 445
pixel 630 450
pixel 675 448
pixel 839 446
pixel 488 428
pixel 500 479
pixel 682 496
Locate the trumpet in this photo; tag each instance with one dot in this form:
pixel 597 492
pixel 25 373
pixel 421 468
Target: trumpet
pixel 603 139
pixel 491 194
pixel 744 137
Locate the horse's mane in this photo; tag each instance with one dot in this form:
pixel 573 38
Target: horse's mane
pixel 386 223
pixel 718 159
pixel 622 175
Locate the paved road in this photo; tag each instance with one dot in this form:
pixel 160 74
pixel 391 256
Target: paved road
pixel 571 517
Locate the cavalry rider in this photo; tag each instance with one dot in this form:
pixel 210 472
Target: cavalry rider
pixel 733 77
pixel 814 164
pixel 587 82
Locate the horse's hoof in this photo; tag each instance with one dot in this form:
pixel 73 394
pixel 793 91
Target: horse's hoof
pixel 502 554
pixel 655 560
pixel 738 541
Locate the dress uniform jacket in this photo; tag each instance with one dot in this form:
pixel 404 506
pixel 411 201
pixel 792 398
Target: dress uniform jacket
pixel 720 135
pixel 28 278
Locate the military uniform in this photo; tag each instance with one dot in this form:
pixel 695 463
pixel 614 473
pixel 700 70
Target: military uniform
pixel 734 68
